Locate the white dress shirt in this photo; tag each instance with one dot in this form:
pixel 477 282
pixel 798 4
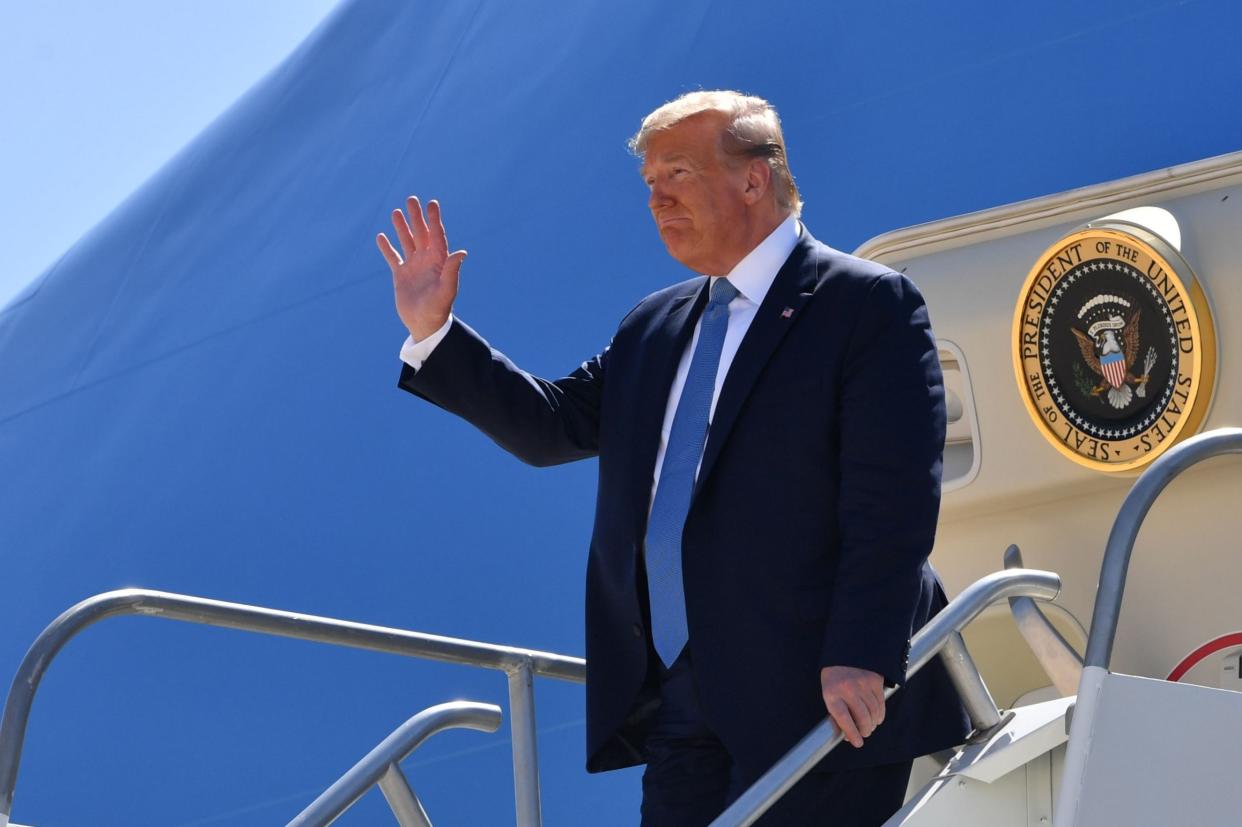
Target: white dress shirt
pixel 752 276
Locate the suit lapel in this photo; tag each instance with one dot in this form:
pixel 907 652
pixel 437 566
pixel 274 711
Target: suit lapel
pixel 780 310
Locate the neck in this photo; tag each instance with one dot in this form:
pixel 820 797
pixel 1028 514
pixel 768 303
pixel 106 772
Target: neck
pixel 753 235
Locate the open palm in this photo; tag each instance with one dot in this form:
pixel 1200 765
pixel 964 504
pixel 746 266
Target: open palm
pixel 424 274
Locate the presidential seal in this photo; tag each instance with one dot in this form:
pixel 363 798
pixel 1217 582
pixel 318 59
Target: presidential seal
pixel 1113 347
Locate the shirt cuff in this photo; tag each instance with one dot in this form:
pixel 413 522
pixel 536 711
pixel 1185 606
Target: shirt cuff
pixel 415 353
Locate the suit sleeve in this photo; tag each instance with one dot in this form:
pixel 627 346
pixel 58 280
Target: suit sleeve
pixel 539 421
pixel 892 422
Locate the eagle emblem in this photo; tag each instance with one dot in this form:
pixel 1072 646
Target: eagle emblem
pixel 1110 345
pixel 1113 347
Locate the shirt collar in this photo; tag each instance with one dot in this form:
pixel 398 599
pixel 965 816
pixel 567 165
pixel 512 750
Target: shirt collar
pixel 754 274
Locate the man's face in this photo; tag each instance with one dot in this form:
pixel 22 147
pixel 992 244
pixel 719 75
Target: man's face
pixel 698 200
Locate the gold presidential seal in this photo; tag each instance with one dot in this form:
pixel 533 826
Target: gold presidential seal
pixel 1113 347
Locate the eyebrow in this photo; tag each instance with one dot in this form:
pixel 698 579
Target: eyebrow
pixel 666 159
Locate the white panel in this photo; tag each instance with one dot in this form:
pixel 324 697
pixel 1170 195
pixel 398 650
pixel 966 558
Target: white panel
pixel 1006 781
pixel 1039 791
pixel 965 802
pixel 1033 731
pixel 1144 751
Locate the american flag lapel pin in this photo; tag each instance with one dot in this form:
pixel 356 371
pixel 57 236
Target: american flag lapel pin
pixel 787 313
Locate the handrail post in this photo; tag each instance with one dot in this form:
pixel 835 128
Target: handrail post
pixel 969 684
pixel 401 799
pixel 525 747
pixel 1059 660
pixel 1125 530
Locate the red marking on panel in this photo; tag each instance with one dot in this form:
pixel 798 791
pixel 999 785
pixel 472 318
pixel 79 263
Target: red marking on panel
pixel 1211 647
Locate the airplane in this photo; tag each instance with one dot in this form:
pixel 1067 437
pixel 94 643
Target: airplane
pixel 199 396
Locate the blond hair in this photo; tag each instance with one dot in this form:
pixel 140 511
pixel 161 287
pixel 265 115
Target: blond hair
pixel 753 131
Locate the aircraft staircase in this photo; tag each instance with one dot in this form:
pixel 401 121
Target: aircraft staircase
pixel 1118 750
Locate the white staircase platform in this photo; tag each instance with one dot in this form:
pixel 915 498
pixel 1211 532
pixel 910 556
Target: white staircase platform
pixel 1146 751
pixel 1006 781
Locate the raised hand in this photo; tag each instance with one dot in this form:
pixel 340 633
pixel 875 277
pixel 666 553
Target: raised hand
pixel 424 274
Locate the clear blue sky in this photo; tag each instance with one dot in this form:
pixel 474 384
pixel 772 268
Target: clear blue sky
pixel 96 96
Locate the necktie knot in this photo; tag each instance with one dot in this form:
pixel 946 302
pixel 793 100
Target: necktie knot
pixel 723 292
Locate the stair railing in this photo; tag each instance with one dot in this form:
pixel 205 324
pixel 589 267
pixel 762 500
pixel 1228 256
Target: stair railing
pixel 941 631
pixel 941 636
pixel 1138 502
pixel 381 766
pixel 520 665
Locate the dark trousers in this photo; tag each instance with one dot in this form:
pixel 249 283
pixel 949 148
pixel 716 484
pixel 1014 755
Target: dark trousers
pixel 690 776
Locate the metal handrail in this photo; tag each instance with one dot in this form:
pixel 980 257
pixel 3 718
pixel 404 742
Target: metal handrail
pixel 380 765
pixel 1059 660
pixel 519 664
pixel 1125 530
pixel 1041 585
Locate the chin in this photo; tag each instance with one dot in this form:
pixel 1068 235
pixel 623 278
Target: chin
pixel 679 254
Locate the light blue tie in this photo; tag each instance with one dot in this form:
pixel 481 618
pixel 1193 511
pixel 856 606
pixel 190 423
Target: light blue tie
pixel 681 461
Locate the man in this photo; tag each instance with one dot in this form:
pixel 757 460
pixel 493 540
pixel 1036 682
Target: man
pixel 769 437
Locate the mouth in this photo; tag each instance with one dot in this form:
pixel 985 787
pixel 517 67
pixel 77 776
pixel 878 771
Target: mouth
pixel 663 223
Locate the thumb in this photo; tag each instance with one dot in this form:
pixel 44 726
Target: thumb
pixel 452 267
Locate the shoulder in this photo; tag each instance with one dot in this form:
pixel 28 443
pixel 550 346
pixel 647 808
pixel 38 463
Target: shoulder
pixel 841 265
pixel 667 295
pixel 654 305
pixel 852 279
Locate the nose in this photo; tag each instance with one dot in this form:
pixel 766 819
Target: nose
pixel 659 197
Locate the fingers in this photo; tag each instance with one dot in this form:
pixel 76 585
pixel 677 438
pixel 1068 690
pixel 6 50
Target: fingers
pixel 875 706
pixel 855 700
pixel 841 716
pixel 415 235
pixel 861 715
pixel 404 237
pixel 386 250
pixel 436 229
pixel 422 237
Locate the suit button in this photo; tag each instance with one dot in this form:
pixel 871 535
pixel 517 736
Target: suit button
pixel 637 628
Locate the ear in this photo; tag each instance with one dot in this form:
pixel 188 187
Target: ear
pixel 758 180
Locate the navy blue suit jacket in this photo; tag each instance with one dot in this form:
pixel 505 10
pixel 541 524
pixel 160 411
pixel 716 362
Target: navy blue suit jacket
pixel 812 518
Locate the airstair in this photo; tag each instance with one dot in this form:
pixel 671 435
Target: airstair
pixel 1117 750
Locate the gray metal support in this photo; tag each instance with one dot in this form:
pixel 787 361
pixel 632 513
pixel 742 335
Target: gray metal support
pixel 248 618
pixel 1125 529
pixel 969 684
pixel 401 799
pixel 1059 660
pixel 377 763
pixel 525 746
pixel 1041 585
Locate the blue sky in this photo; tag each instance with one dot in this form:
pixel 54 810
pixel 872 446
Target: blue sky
pixel 96 96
